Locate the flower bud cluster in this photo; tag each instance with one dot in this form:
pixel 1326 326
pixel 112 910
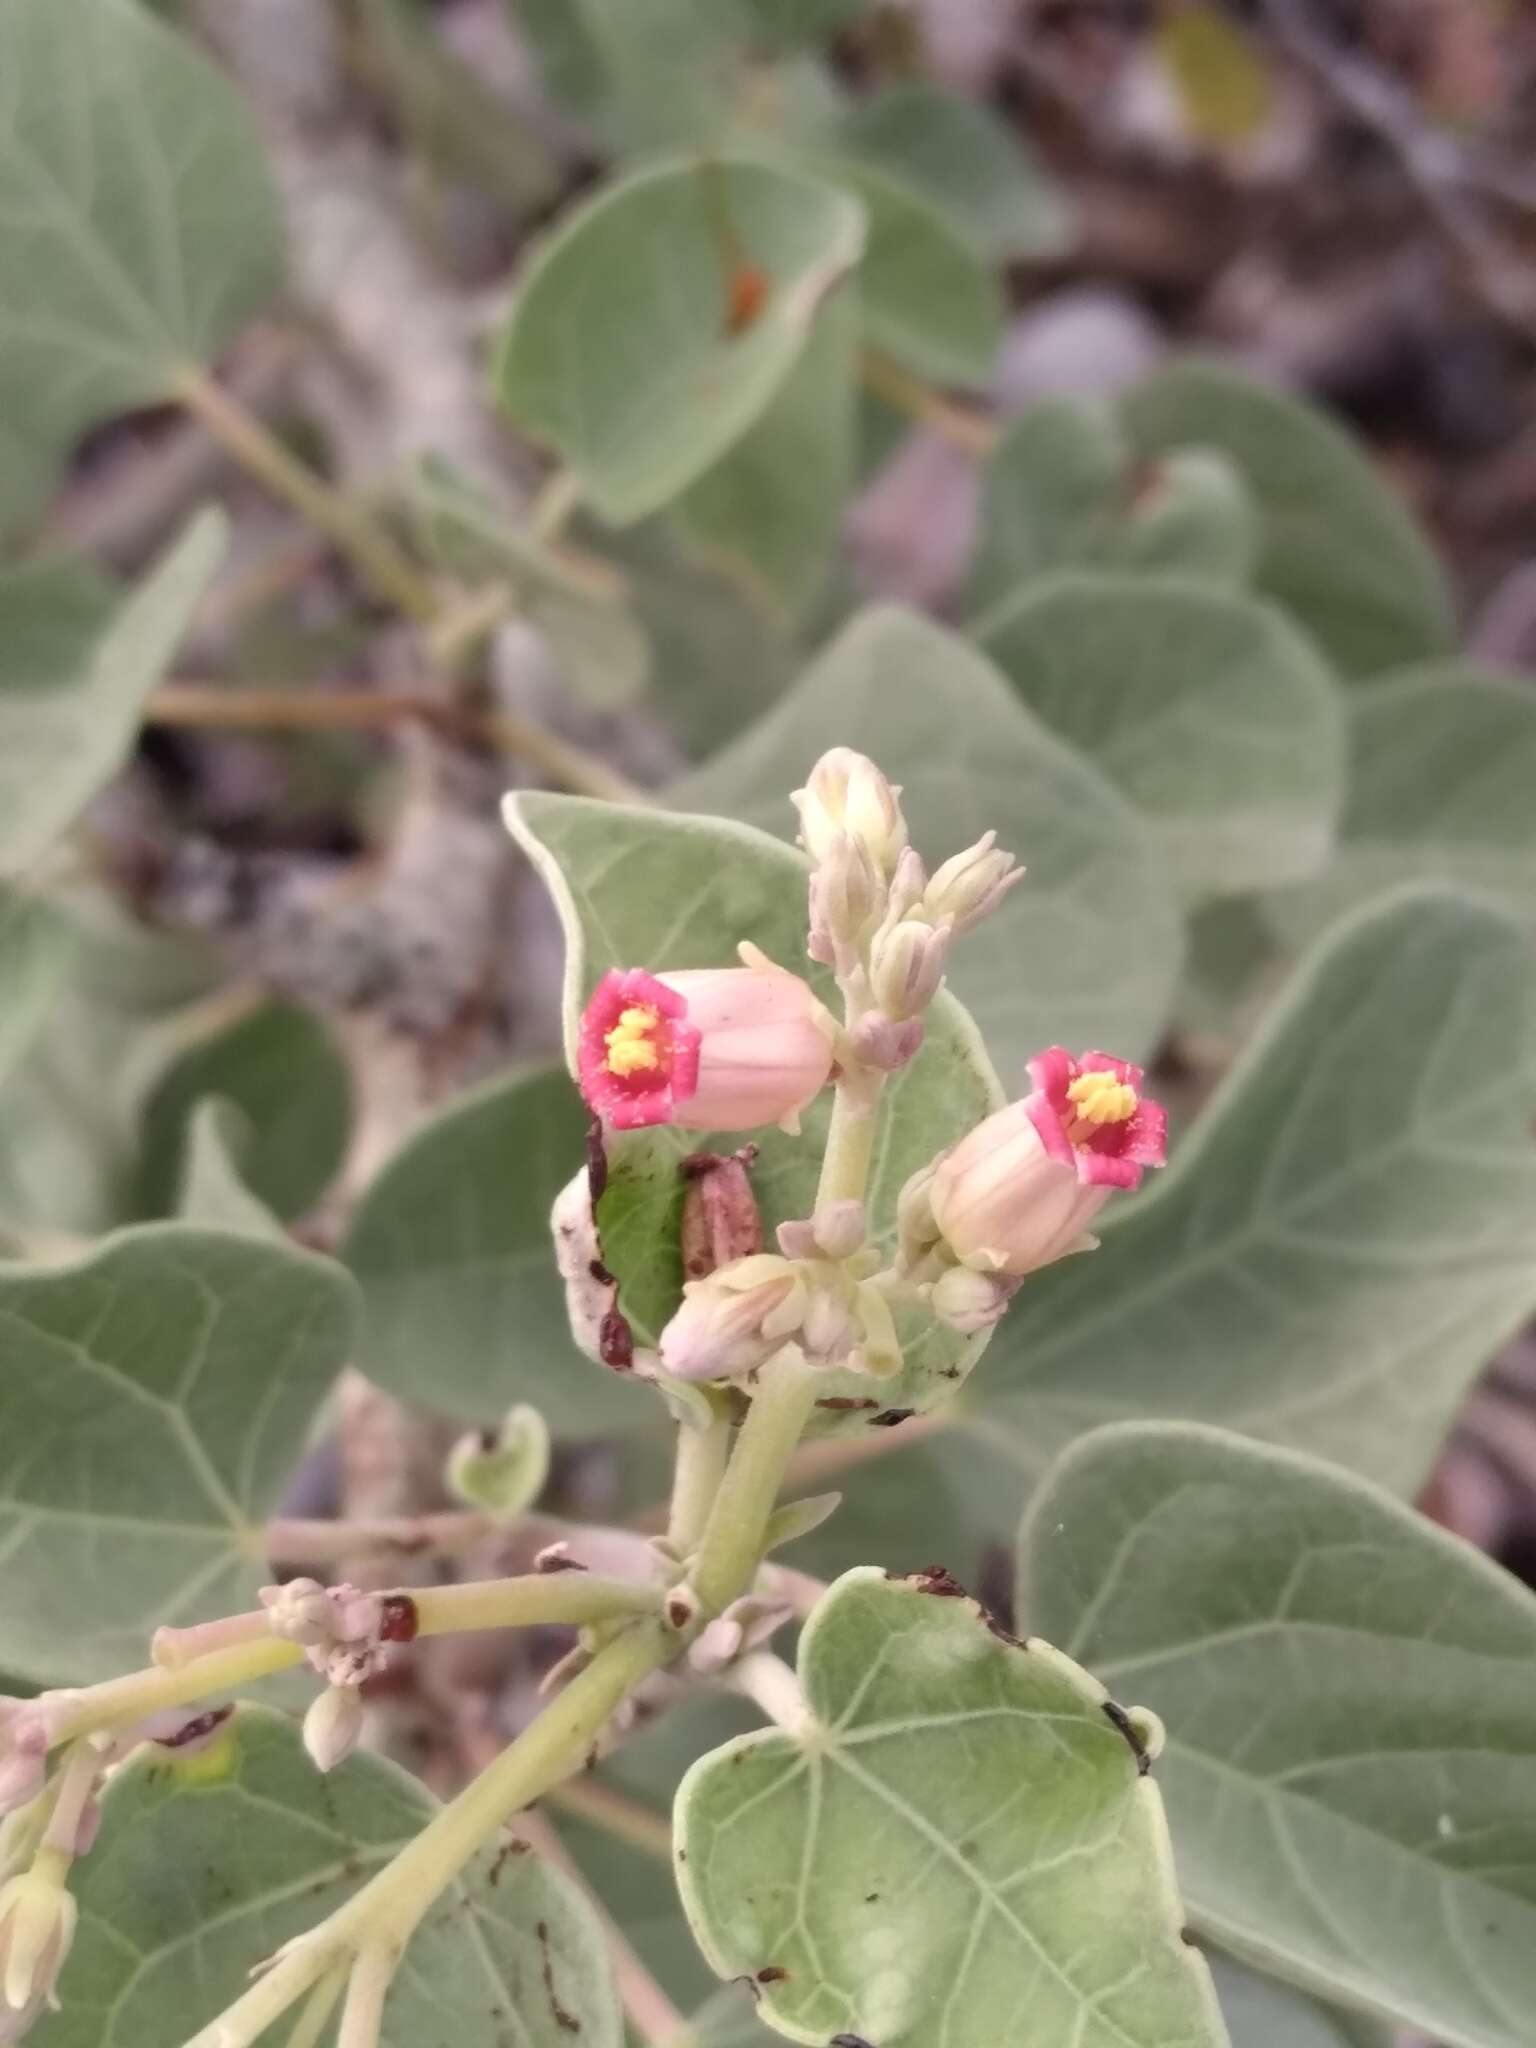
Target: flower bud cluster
pixel 876 918
pixel 345 1634
pixel 816 1294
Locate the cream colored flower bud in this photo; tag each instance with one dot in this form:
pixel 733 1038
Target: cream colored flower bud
pixel 908 884
pixel 37 1926
pixel 968 1302
pixel 970 886
pixel 332 1726
pixel 917 1233
pixel 732 1321
pixel 906 968
pixel 846 793
pixel 847 892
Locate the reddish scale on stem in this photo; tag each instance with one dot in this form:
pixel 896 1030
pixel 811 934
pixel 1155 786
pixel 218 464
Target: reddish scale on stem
pixel 399 1621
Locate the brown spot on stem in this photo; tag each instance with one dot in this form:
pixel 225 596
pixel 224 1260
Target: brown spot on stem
pixel 195 1729
pixel 844 1404
pixel 399 1620
pixel 567 2022
pixel 888 1418
pixel 772 1973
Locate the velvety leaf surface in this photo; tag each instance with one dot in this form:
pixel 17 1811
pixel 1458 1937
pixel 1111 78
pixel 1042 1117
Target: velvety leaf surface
pixel 624 351
pixel 451 1245
pixel 1351 1762
pixel 1208 709
pixel 959 1836
pixel 155 1398
pixel 1339 549
pixel 1064 488
pixel 941 722
pixel 72 682
pixel 1441 784
pixel 283 1071
pixel 205 1866
pixel 1341 1242
pixel 639 888
pixel 138 229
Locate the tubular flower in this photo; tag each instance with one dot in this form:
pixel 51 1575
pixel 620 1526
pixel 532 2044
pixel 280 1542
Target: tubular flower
pixel 1021 1189
pixel 712 1049
pixel 731 1322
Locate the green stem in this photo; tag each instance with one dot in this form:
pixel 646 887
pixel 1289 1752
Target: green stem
pixel 388 1908
pixel 387 570
pixel 362 2019
pixel 696 1479
pixel 311 2022
pixel 850 1139
pixel 572 1598
pixel 732 1544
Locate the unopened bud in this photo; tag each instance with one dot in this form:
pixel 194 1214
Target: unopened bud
pixel 907 884
pixel 968 1301
pixel 906 968
pixel 732 1321
pixel 887 1042
pixel 839 1229
pixel 846 793
pixel 970 886
pixel 300 1611
pixel 359 1615
pixel 332 1726
pixel 502 1470
pixel 847 892
pixel 828 1331
pixel 37 1925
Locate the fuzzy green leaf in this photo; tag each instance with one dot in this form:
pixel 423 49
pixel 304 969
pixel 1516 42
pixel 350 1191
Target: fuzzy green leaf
pixel 621 351
pixel 138 232
pixel 451 1245
pixel 1064 488
pixel 1206 708
pixel 1442 770
pixel 73 683
pixel 1351 1762
pixel 1339 549
pixel 155 1397
pixel 282 1070
pixel 959 1836
pixel 205 1866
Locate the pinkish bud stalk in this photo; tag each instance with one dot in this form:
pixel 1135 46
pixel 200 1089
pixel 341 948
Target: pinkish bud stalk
pixel 1021 1189
pixel 884 1043
pixel 23 1755
pixel 712 1049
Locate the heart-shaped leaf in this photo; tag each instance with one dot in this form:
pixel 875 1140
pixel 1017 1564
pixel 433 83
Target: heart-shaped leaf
pixel 213 1193
pixel 636 888
pixel 155 1397
pixel 959 1835
pixel 139 231
pixel 1064 488
pixel 1351 1762
pixel 1339 549
pixel 72 682
pixel 966 161
pixel 205 1866
pixel 281 1069
pixel 1208 709
pixel 944 724
pixel 769 511
pixel 1343 1240
pixel 656 325
pixel 1442 767
pixel 451 1245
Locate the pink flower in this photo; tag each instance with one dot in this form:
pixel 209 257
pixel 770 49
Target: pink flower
pixel 1021 1189
pixel 637 1055
pixel 712 1049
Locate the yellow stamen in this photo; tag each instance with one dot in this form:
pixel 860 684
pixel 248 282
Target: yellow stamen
pixel 631 1044
pixel 1101 1099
